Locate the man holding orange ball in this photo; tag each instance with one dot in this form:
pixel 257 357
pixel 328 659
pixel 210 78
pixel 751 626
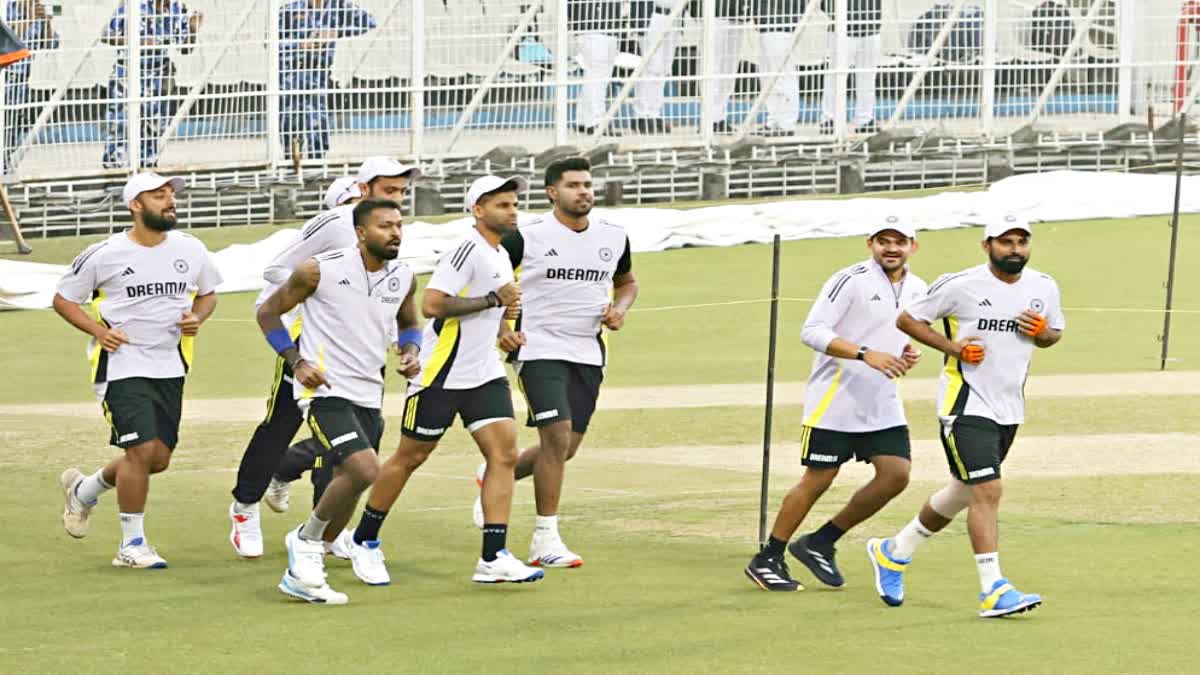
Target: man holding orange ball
pixel 993 316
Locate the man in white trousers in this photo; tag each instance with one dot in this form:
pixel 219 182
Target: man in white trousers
pixel 865 47
pixel 596 25
pixel 776 22
pixel 652 19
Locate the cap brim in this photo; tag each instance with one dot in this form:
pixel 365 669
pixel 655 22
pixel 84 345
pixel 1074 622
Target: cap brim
pixel 989 233
pixel 176 183
pixel 909 232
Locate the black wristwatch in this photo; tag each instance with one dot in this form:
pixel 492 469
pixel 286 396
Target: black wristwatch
pixel 494 299
pixel 862 353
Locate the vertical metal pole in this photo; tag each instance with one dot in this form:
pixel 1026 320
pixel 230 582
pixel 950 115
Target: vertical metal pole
pixel 841 68
pixel 562 42
pixel 133 83
pixel 707 71
pixel 417 78
pixel 1126 35
pixel 274 142
pixel 766 456
pixel 4 84
pixel 987 80
pixel 1166 333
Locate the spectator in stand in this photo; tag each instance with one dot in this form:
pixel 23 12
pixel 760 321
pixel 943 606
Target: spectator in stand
pixel 865 46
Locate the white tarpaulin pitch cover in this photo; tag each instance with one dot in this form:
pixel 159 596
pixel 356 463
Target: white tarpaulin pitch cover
pixel 1060 195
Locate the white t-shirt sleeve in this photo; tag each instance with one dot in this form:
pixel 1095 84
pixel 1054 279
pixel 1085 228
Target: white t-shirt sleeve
pixel 455 269
pixel 837 295
pixel 317 236
pixel 1056 319
pixel 937 302
pixel 80 281
pixel 209 277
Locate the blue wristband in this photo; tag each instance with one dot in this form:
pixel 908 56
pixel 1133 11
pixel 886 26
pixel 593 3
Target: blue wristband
pixel 280 341
pixel 410 336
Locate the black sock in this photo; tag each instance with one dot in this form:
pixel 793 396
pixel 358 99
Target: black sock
pixel 494 536
pixel 825 537
pixel 368 525
pixel 774 547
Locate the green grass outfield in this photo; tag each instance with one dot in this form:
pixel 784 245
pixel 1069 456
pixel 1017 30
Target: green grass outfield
pixel 1100 265
pixel 664 529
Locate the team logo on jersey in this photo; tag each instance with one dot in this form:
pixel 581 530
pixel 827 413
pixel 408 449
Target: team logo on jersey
pixel 998 325
pixel 1037 305
pixel 394 284
pixel 181 266
pixel 606 254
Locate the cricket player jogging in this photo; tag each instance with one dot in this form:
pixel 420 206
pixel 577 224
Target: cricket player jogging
pixel 378 178
pixel 471 291
pixel 993 316
pixel 351 302
pixel 576 275
pixel 150 291
pixel 851 410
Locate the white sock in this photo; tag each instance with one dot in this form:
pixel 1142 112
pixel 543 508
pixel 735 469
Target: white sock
pixel 90 488
pixel 545 525
pixel 313 529
pixel 245 508
pixel 132 529
pixel 989 570
pixel 905 544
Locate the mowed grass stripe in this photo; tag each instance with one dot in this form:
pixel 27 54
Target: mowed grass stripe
pixel 664 427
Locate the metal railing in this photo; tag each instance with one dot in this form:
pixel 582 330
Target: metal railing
pixel 115 85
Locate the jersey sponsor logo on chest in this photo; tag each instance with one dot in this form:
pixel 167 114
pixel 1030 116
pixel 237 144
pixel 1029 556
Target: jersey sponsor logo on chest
pixel 156 288
pixel 999 325
pixel 576 274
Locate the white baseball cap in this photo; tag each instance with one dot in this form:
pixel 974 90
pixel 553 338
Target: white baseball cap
pixel 896 223
pixel 145 182
pixel 342 190
pixel 997 228
pixel 489 184
pixel 382 165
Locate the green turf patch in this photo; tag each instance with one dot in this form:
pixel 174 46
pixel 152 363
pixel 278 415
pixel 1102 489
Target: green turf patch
pixel 1100 264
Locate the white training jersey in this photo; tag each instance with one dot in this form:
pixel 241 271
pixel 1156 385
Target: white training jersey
pixel 327 231
pixel 144 292
pixel 859 304
pixel 348 324
pixel 566 282
pixel 975 303
pixel 460 352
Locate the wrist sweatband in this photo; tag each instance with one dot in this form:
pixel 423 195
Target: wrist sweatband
pixel 279 340
pixel 410 336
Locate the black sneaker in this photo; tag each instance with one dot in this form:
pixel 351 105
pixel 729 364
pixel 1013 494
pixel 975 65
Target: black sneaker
pixel 771 574
pixel 821 563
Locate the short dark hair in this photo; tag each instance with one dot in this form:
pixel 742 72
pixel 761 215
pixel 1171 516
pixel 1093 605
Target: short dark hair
pixel 364 209
pixel 555 171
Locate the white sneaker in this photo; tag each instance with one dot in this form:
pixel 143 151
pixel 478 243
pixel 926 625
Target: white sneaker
pixel 306 560
pixel 340 547
pixel 367 560
pixel 321 595
pixel 139 555
pixel 276 496
pixel 548 550
pixel 477 509
pixel 75 513
pixel 246 531
pixel 504 568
